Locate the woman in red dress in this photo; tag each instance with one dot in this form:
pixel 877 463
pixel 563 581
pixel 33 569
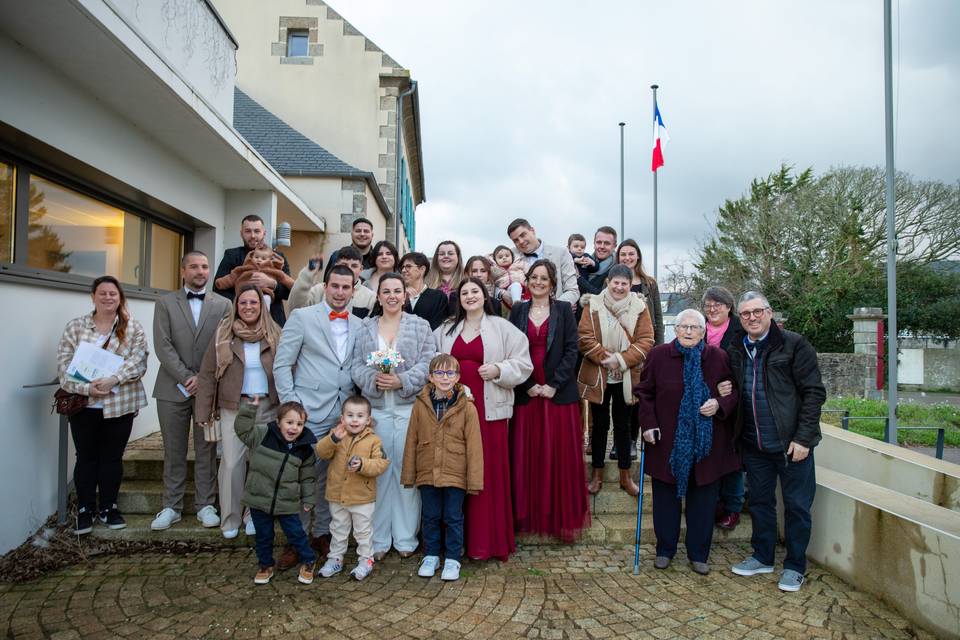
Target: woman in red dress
pixel 549 494
pixel 494 358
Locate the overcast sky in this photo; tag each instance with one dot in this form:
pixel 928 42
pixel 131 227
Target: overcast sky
pixel 520 103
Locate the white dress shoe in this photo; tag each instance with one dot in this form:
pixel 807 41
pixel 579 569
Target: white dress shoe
pixel 208 517
pixel 230 534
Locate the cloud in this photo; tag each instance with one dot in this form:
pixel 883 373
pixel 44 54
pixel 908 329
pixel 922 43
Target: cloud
pixel 520 103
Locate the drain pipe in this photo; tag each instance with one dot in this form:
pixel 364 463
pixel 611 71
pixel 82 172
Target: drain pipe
pixel 396 194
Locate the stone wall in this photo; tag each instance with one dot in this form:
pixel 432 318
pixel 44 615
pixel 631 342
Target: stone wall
pixel 846 374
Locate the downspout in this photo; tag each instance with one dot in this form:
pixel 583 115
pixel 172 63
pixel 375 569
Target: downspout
pixel 396 194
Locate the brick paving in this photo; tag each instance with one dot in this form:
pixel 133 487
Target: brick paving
pixel 582 591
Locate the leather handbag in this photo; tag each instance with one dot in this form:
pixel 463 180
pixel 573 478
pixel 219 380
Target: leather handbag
pixel 68 404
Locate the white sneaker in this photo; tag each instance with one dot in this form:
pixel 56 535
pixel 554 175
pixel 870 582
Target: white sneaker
pixel 451 570
pixel 165 519
pixel 428 566
pixel 363 569
pixel 230 534
pixel 207 517
pixel 331 567
pixel 249 529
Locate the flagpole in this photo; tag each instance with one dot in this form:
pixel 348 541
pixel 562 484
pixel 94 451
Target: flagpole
pixel 654 87
pixel 891 230
pixel 622 236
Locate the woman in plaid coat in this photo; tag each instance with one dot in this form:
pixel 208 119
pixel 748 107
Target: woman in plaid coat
pixel 100 430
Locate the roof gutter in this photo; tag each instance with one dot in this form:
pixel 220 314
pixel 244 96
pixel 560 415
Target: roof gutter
pixel 398 223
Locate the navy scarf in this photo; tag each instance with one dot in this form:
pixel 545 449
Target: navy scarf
pixel 694 436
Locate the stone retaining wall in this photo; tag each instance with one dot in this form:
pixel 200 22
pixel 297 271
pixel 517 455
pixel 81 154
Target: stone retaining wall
pixel 846 374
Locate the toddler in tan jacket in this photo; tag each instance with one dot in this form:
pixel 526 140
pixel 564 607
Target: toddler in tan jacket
pixel 356 459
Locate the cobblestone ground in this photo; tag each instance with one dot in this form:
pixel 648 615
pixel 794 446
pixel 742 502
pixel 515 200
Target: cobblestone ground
pixel 543 592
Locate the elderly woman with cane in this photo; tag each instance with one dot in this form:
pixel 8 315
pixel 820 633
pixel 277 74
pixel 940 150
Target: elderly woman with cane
pixel 688 434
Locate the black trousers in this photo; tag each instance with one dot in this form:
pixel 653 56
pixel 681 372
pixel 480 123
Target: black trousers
pixel 100 443
pixel 600 413
pixel 701 503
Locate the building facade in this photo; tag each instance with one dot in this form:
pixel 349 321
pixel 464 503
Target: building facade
pixel 117 154
pixel 308 66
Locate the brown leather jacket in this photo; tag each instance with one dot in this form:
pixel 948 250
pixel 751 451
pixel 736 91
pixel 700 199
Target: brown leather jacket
pixel 592 378
pixel 447 452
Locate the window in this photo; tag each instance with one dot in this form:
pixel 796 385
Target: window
pixel 7 184
pixel 67 231
pixel 298 43
pixel 166 248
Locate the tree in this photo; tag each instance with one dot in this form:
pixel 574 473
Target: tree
pixel 816 246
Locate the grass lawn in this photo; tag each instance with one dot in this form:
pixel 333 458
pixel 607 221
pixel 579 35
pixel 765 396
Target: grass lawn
pixel 909 414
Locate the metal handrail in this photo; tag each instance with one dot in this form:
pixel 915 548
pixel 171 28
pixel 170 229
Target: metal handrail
pixel 845 419
pixel 62 482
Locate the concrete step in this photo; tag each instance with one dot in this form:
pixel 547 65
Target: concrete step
pixel 149 469
pixel 621 529
pixel 187 530
pixel 146 497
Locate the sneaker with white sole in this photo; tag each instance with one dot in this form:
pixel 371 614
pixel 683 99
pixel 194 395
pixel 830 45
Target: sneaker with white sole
pixel 165 519
pixel 363 569
pixel 112 517
pixel 451 570
pixel 428 566
pixel 751 567
pixel 207 517
pixel 249 529
pixel 790 580
pixel 331 567
pixel 230 534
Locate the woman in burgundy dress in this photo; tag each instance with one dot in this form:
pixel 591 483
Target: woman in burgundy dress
pixel 494 358
pixel 549 493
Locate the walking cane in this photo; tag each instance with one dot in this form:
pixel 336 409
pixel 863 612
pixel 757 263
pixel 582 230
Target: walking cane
pixel 636 546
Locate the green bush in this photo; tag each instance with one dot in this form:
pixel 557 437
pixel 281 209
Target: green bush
pixel 909 415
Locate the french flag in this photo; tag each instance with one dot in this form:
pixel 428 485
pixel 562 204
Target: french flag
pixel 659 136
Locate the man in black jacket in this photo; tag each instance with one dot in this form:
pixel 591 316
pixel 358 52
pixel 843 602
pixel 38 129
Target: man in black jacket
pixel 253 233
pixel 604 257
pixel 361 239
pixel 777 427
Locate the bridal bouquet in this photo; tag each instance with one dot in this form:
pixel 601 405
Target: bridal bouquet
pixel 385 360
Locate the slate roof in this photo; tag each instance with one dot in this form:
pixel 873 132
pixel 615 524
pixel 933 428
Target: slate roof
pixel 286 149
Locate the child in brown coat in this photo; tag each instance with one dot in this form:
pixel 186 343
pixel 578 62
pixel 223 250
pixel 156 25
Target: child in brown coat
pixel 263 260
pixel 357 460
pixel 443 456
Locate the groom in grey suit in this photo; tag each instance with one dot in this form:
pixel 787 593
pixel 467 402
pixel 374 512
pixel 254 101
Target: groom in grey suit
pixel 312 367
pixel 184 323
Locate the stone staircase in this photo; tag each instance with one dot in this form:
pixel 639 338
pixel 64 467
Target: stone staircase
pixel 613 512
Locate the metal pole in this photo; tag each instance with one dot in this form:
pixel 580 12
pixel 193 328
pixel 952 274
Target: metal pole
pixel 654 87
pixel 622 236
pixel 891 229
pixel 399 148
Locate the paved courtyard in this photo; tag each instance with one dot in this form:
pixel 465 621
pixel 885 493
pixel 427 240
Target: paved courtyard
pixel 543 592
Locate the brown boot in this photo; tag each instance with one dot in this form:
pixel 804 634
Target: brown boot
pixel 627 483
pixel 289 558
pixel 596 482
pixel 321 544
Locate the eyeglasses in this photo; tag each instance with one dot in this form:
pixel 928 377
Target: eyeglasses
pixel 445 374
pixel 687 327
pixel 752 313
pixel 710 306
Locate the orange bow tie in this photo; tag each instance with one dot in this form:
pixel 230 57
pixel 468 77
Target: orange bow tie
pixel 338 314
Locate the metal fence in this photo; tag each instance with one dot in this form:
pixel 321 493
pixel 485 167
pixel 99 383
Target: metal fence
pixel 845 419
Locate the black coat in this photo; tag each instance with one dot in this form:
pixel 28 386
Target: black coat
pixel 652 292
pixel 561 359
pixel 233 258
pixel 366 259
pixel 432 305
pixel 791 378
pixel 731 334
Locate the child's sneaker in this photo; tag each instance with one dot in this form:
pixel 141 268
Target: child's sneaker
pixel 428 566
pixel 363 569
pixel 451 570
pixel 306 574
pixel 263 575
pixel 331 567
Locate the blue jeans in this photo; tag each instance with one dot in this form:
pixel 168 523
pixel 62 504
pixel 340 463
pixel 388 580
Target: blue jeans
pixel 292 528
pixel 798 484
pixel 731 492
pixel 444 503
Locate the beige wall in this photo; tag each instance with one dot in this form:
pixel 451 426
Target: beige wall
pixel 347 123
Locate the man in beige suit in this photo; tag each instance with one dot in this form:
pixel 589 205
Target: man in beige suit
pixel 184 323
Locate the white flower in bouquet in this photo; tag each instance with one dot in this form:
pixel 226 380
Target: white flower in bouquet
pixel 385 360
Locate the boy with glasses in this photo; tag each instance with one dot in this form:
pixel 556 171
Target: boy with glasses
pixel 443 457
